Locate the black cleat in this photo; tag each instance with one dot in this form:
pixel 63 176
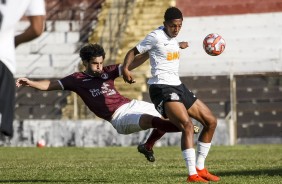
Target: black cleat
pixel 149 154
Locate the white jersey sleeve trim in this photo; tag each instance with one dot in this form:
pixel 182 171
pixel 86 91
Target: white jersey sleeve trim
pixel 119 69
pixel 62 86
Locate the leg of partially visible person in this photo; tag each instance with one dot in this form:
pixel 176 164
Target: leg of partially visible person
pixel 7 100
pixel 202 113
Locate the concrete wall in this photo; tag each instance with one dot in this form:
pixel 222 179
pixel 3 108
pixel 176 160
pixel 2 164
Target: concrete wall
pixel 96 133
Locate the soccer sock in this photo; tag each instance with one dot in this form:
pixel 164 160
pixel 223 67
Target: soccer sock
pixel 202 152
pixel 164 125
pixel 190 160
pixel 154 136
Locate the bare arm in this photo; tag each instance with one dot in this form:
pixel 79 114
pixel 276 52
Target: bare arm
pixel 34 30
pixel 138 60
pixel 129 58
pixel 183 45
pixel 44 85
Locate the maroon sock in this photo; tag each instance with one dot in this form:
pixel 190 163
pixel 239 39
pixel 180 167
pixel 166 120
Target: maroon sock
pixel 160 128
pixel 152 139
pixel 164 125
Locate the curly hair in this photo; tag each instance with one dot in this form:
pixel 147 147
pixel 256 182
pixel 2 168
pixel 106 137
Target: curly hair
pixel 91 50
pixel 172 13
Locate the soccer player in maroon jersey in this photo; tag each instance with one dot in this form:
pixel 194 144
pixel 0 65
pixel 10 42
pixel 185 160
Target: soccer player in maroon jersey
pixel 96 87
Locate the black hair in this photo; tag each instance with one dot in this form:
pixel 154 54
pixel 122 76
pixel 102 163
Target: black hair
pixel 172 13
pixel 91 50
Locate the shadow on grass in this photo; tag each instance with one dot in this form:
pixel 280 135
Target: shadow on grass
pixel 269 172
pixel 52 181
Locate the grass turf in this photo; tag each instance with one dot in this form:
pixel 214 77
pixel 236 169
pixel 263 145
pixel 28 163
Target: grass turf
pixel 234 164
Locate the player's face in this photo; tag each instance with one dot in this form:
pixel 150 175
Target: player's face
pixel 173 27
pixel 95 65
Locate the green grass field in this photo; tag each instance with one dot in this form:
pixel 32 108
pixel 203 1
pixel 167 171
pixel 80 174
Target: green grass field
pixel 239 164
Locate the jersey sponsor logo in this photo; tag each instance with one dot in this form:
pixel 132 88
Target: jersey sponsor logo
pixel 172 56
pixel 95 92
pixel 105 90
pixel 174 96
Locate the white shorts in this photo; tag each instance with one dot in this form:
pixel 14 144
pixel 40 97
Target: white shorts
pixel 126 118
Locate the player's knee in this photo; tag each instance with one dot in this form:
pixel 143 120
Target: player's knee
pixel 212 123
pixel 187 127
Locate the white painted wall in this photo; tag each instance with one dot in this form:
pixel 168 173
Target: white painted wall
pixel 253 44
pixel 90 133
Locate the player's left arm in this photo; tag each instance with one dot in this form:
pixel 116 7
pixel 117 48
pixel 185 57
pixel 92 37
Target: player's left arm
pixel 128 60
pixel 34 30
pixel 183 45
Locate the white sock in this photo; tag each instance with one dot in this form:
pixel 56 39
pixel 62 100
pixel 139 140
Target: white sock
pixel 190 160
pixel 202 152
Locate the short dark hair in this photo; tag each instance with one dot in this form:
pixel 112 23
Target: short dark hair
pixel 172 13
pixel 91 50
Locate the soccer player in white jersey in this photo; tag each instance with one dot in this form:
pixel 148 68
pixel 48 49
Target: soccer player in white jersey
pixel 170 96
pixel 11 11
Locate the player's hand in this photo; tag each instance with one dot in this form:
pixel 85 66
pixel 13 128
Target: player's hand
pixel 22 82
pixel 183 45
pixel 127 77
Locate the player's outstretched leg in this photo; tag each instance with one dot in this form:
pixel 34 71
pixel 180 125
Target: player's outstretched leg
pixel 147 148
pixel 149 154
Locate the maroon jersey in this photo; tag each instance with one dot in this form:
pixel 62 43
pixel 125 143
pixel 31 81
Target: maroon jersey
pixel 97 92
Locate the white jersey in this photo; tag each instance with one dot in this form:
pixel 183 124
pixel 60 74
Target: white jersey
pixel 164 57
pixel 11 12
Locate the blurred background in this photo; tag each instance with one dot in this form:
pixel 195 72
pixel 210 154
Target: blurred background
pixel 242 86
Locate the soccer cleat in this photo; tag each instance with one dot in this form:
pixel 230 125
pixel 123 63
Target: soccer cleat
pixel 196 178
pixel 204 173
pixel 149 154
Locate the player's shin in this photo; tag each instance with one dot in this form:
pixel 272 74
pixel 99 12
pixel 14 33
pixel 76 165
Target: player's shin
pixel 164 125
pixel 155 135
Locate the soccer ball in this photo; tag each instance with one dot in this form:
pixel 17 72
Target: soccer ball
pixel 214 44
pixel 41 143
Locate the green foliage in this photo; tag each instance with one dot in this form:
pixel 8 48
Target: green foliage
pixel 253 164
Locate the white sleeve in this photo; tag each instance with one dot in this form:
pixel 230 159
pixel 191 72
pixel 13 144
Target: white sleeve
pixel 36 7
pixel 62 86
pixel 147 44
pixel 119 69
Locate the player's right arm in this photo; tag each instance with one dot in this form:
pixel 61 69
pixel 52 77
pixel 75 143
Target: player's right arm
pixel 129 58
pixel 138 60
pixel 44 85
